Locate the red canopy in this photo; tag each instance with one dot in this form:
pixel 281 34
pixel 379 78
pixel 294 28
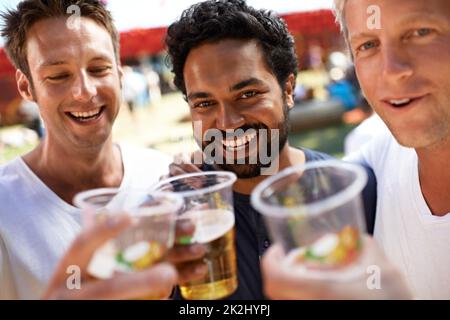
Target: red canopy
pixel 141 42
pixel 5 65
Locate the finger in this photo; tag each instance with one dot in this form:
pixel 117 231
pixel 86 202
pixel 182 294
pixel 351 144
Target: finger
pixel 188 162
pixel 176 171
pixel 188 272
pixel 272 257
pixel 279 283
pixel 273 276
pixel 185 253
pixel 270 263
pixel 157 281
pixel 190 167
pixel 179 169
pixel 181 157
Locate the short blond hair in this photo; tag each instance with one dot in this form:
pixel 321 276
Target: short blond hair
pixel 17 22
pixel 338 9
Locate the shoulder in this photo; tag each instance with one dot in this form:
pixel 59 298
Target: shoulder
pixel 13 184
pixel 10 176
pixel 375 152
pixel 8 167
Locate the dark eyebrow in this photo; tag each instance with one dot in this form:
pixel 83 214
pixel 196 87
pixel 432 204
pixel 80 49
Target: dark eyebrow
pixel 237 86
pixel 245 83
pixel 198 95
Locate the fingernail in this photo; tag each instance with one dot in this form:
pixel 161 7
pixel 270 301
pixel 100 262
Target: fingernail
pixel 200 269
pixel 115 221
pixel 168 272
pixel 185 224
pixel 196 249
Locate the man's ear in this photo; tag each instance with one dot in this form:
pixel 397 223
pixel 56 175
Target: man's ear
pixel 289 90
pixel 120 70
pixel 24 86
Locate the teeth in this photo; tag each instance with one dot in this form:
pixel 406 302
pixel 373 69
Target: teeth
pixel 86 114
pixel 239 142
pixel 402 101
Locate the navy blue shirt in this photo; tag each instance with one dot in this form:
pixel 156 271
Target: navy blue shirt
pixel 252 239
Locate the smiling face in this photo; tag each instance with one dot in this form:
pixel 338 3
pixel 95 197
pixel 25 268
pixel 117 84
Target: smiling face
pixel 229 87
pixel 76 81
pixel 404 67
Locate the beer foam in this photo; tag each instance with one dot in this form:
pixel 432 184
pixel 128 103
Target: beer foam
pixel 211 224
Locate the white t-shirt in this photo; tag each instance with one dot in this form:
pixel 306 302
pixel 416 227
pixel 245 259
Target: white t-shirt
pixel 37 227
pixel 417 242
pixel 369 129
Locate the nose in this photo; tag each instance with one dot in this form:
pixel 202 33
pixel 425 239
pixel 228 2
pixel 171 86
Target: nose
pixel 229 118
pixel 83 89
pixel 395 63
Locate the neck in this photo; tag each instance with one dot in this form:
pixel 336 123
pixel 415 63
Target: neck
pixel 288 157
pixel 67 170
pixel 435 178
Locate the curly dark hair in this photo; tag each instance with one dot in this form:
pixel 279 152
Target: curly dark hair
pixel 214 20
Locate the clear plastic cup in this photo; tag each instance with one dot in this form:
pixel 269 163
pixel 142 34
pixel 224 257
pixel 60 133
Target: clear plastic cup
pixel 315 212
pixel 142 244
pixel 208 205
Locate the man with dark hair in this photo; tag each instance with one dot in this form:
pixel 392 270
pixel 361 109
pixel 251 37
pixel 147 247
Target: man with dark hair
pixel 236 67
pixel 69 66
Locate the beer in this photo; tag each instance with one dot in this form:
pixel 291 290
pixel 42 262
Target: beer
pixel 138 247
pixel 142 244
pixel 214 229
pixel 208 205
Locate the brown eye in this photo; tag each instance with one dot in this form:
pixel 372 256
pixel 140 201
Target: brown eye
pixel 249 94
pixel 203 104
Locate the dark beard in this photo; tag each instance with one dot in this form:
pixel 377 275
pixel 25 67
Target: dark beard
pixel 247 170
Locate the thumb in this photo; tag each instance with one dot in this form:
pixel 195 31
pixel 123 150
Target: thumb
pixel 271 259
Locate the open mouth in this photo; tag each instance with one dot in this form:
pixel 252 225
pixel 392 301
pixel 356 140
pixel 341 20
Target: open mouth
pixel 234 144
pixel 403 102
pixel 86 116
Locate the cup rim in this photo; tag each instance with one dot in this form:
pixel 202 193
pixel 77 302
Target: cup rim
pixel 232 179
pixel 315 207
pixel 78 199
